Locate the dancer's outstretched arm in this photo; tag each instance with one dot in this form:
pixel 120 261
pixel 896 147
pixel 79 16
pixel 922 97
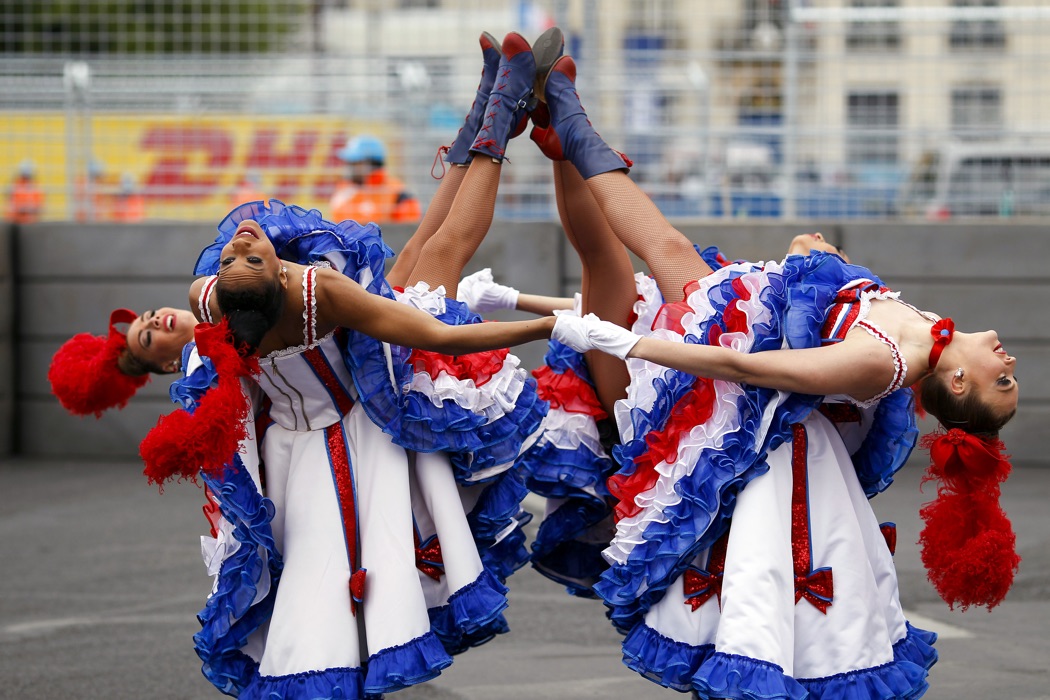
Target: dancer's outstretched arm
pixel 343 302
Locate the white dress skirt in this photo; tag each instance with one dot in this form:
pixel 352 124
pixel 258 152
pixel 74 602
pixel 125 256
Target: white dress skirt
pixel 746 560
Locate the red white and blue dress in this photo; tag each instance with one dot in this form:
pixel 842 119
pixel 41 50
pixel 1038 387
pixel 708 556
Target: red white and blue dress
pixel 746 560
pixel 361 537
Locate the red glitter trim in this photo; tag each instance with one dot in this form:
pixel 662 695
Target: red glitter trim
pixel 344 486
pixel 315 358
pixel 841 412
pixel 815 586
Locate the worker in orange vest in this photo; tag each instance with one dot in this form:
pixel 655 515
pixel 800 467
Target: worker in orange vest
pixel 26 201
pixel 369 193
pixel 129 205
pixel 249 189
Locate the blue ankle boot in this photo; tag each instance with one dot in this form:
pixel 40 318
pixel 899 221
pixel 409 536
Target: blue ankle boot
pixel 459 152
pixel 570 135
pixel 507 110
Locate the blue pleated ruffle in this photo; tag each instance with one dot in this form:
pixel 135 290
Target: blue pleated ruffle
pixel 409 664
pixel 889 442
pixel 559 473
pixel 472 616
pixel 329 684
pixel 496 523
pixel 474 442
pixel 568 546
pixel 231 613
pixel 797 298
pixel 712 674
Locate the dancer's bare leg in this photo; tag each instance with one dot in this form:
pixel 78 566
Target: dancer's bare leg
pixel 608 276
pixel 635 220
pixel 640 226
pixel 458 156
pixel 443 255
pixel 436 214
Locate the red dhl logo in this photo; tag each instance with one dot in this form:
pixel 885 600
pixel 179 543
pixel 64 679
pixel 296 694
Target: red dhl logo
pixel 188 162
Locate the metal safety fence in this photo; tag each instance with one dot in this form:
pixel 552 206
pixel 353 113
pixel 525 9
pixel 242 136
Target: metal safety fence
pixel 123 110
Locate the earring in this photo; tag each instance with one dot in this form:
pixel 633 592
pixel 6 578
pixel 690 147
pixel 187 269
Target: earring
pixel 284 269
pixel 959 373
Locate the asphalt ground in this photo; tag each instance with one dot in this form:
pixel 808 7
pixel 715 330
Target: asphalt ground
pixel 101 577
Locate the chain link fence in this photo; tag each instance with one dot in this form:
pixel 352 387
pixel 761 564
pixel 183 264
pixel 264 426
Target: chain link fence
pixel 124 109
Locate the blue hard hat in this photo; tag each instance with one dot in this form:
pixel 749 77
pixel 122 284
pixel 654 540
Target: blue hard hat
pixel 362 148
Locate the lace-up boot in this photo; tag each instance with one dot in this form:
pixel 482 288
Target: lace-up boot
pixel 507 111
pixel 569 134
pixel 459 152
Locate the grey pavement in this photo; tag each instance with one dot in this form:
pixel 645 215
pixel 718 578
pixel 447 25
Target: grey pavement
pixel 100 578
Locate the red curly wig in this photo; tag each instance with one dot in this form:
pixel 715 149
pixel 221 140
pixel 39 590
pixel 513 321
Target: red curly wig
pixel 183 443
pixel 968 544
pixel 84 374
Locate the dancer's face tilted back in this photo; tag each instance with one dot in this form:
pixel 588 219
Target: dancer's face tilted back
pixel 155 340
pixel 249 260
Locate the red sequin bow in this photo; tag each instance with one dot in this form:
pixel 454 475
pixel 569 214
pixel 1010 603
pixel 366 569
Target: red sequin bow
pixel 428 558
pixel 943 331
pixel 816 587
pixel 700 586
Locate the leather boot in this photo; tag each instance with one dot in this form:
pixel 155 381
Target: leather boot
pixel 459 152
pixel 506 113
pixel 569 135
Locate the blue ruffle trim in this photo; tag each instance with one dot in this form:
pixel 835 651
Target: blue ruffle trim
pixel 305 237
pixel 188 389
pixel 557 473
pixel 409 664
pixel 472 616
pixel 663 660
pixel 230 615
pixel 329 684
pixel 498 508
pixel 889 442
pixel 682 667
pixel 473 442
pixel 566 548
pixel 798 298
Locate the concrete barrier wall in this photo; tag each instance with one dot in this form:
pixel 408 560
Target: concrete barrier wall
pixel 7 339
pixel 71 276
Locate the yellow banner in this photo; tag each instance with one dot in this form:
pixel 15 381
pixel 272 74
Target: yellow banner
pixel 180 167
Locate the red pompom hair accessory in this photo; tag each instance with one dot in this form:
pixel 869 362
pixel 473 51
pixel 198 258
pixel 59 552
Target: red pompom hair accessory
pixel 968 544
pixel 184 443
pixel 84 374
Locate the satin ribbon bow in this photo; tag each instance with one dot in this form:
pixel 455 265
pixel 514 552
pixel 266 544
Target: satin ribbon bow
pixel 700 586
pixel 943 331
pixel 428 558
pixel 817 587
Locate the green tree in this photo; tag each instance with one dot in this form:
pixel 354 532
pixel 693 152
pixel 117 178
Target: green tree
pixel 148 26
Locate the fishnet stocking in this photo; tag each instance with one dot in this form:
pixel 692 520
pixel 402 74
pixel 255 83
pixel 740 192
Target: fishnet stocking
pixel 643 229
pixel 437 212
pixel 447 251
pixel 608 277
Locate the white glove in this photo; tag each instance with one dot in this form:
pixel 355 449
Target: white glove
pixel 592 333
pixel 481 294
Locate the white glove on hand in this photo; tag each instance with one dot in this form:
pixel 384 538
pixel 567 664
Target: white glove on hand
pixel 592 333
pixel 481 294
